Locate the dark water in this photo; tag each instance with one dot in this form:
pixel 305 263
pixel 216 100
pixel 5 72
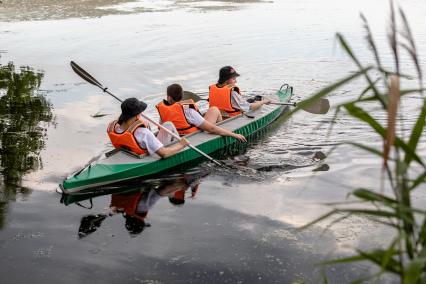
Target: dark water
pixel 239 226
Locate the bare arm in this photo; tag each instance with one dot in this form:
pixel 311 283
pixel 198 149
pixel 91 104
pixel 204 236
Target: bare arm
pixel 165 152
pixel 210 127
pixel 258 104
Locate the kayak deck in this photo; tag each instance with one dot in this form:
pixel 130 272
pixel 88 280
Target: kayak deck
pixel 117 166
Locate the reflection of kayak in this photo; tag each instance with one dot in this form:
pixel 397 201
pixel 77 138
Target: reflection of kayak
pixel 161 183
pixel 119 165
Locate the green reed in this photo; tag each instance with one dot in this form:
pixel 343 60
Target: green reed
pixel 403 169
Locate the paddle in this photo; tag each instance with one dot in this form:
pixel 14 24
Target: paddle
pixel 86 76
pixel 319 107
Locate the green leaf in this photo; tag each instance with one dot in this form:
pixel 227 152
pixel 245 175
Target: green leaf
pixel 373 196
pixel 319 219
pixel 349 259
pixel 419 180
pixel 371 212
pixel 323 92
pixel 422 233
pixel 351 54
pixel 367 89
pixel 364 116
pixel 414 270
pixel 416 132
pixel 368 149
pixel 377 256
pixel 383 97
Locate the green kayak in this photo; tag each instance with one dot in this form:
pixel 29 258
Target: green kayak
pixel 119 165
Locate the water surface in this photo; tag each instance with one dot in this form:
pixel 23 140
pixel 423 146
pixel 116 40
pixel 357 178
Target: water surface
pixel 239 226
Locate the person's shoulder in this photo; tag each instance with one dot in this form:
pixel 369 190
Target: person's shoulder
pixel 143 130
pixel 190 110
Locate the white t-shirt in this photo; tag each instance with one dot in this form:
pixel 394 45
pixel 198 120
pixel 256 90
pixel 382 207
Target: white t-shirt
pixel 145 138
pixel 238 102
pixel 193 116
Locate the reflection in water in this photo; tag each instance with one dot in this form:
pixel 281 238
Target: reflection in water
pixel 134 203
pixel 22 109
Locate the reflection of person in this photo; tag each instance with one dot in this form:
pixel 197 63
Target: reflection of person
pixel 132 132
pixel 186 117
pixel 90 224
pixel 189 183
pixel 225 95
pixel 135 206
pixel 128 205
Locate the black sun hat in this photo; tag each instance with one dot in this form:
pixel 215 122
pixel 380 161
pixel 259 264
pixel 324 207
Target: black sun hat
pixel 226 73
pixel 130 108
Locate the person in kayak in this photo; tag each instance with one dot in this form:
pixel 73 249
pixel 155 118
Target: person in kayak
pixel 132 132
pixel 226 96
pixel 186 116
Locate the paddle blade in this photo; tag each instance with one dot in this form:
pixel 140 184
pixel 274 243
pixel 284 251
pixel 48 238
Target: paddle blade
pixel 187 95
pixel 321 106
pixel 83 74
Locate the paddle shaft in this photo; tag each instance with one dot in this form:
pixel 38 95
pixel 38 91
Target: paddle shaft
pixel 86 76
pixel 272 103
pixel 322 106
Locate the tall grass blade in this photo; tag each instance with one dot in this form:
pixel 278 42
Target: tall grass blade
pixel 323 92
pixel 351 54
pixel 416 132
pixel 392 37
pixel 367 89
pixel 406 33
pixel 377 257
pixel 420 179
pixel 319 219
pixel 370 41
pixel 374 197
pixel 364 116
pixel 367 148
pixel 414 270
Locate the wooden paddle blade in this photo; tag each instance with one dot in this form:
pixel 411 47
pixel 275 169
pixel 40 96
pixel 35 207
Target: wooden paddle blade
pixel 321 106
pixel 187 95
pixel 83 74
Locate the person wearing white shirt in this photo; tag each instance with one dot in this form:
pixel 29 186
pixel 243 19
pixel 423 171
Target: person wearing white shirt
pixel 226 95
pixel 122 130
pixel 192 116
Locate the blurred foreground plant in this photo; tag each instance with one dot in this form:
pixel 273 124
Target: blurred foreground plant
pixel 403 169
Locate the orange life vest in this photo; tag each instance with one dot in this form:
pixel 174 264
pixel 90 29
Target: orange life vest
pixel 220 97
pixel 128 203
pixel 175 113
pixel 127 138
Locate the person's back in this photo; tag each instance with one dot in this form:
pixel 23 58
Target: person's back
pixel 131 132
pixel 220 96
pixel 226 96
pixel 122 130
pixel 178 112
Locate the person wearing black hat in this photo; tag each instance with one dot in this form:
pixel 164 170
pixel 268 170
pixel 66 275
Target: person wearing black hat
pixel 132 132
pixel 226 95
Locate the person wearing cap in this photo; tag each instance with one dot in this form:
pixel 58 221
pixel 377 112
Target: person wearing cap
pixel 186 117
pixel 132 132
pixel 226 96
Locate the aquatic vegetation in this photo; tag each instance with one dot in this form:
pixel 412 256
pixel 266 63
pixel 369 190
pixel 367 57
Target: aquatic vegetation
pixel 403 168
